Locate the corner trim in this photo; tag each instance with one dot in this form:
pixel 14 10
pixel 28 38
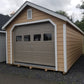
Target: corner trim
pixel 56 64
pixel 11 46
pixel 65 48
pixel 33 22
pixel 6 49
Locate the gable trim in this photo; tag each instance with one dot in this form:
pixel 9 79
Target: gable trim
pixel 50 12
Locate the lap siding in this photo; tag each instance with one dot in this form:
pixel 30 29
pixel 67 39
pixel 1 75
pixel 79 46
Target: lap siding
pixel 74 45
pixel 39 15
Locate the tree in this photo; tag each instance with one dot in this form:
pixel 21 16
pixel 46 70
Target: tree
pixel 80 24
pixel 64 14
pixel 82 6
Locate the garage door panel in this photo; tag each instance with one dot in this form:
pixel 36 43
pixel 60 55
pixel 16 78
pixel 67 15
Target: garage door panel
pixel 43 47
pixel 23 47
pixel 23 56
pixel 37 58
pixel 44 58
pixel 45 27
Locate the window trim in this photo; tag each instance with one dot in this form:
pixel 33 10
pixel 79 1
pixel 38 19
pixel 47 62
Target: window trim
pixel 29 18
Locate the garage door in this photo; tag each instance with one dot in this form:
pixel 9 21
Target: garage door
pixel 34 44
pixel 2 47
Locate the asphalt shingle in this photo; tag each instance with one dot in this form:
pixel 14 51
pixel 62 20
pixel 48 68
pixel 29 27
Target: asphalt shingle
pixel 3 20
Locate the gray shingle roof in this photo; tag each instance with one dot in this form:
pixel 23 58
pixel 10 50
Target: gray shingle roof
pixel 3 20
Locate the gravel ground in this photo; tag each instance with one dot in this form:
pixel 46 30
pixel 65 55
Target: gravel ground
pixel 74 76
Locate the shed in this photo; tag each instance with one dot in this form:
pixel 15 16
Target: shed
pixel 39 37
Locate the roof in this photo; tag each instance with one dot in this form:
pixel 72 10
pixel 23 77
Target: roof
pixel 50 12
pixel 3 20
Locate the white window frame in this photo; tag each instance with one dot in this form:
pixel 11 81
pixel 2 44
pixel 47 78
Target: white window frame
pixel 29 18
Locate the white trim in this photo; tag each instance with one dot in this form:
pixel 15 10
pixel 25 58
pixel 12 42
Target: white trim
pixel 39 21
pixel 65 47
pixel 56 65
pixel 6 49
pixel 31 14
pixel 44 10
pixel 11 46
pixel 2 31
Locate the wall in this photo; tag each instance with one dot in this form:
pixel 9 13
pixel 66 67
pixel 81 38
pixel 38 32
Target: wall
pixel 38 15
pixel 74 45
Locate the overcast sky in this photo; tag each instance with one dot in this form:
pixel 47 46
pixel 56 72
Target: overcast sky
pixel 8 6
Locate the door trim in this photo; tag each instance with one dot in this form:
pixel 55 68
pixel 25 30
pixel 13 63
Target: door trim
pixel 33 22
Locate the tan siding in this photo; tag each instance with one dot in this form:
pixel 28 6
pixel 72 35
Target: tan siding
pixel 38 15
pixel 74 45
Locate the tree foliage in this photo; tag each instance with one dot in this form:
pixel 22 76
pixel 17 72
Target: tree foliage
pixel 80 24
pixel 64 14
pixel 82 6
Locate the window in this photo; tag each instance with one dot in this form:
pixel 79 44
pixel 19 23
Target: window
pixel 29 14
pixel 47 37
pixel 26 37
pixel 37 37
pixel 18 38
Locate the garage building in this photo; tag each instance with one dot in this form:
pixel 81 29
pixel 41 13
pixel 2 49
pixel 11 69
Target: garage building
pixel 38 37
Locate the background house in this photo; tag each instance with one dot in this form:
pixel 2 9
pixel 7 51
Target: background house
pixel 3 20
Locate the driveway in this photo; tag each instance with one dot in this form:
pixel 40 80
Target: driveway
pixel 13 75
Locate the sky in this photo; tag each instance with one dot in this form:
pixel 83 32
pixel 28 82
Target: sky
pixel 8 6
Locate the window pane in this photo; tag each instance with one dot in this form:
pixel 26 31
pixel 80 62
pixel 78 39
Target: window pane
pixel 47 37
pixel 18 38
pixel 37 37
pixel 29 13
pixel 26 37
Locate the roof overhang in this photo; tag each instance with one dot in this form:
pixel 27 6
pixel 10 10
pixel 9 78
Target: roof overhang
pixel 50 12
